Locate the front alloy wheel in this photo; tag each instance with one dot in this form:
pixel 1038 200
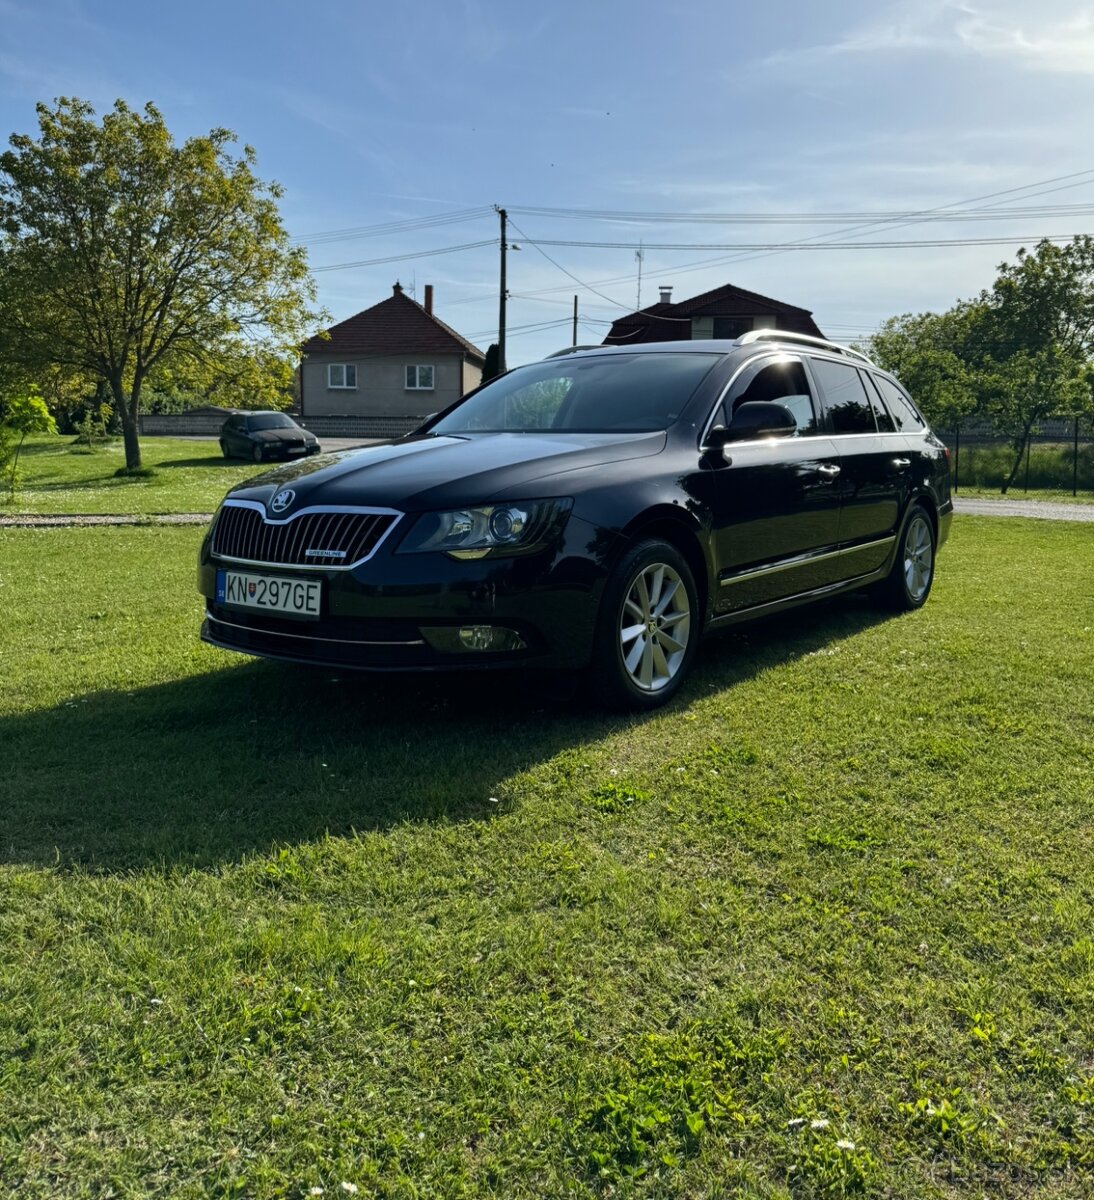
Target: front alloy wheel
pixel 647 628
pixel 654 627
pixel 257 453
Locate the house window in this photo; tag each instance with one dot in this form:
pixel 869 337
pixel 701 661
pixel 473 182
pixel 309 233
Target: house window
pixel 731 327
pixel 341 375
pixel 419 379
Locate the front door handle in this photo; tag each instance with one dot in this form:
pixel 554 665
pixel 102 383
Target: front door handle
pixel 828 471
pixel 902 464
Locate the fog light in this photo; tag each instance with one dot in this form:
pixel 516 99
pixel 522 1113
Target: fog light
pixel 471 639
pixel 490 637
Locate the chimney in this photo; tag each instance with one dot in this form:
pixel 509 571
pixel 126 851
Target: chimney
pixel 397 290
pixel 666 292
pixel 429 298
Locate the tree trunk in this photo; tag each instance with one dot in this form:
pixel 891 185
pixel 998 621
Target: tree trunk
pixel 126 407
pixel 132 444
pixel 15 467
pixel 1021 449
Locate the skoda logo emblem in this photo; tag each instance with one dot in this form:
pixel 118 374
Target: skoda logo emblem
pixel 282 500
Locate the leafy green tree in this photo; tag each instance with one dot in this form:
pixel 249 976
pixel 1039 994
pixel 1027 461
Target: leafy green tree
pixel 239 376
pixel 490 367
pixel 930 354
pixel 20 413
pixel 123 254
pixel 1019 353
pixel 1036 341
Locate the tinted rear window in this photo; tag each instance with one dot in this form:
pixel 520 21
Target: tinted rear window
pixel 904 414
pixel 845 396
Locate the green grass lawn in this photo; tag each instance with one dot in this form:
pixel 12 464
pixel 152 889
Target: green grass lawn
pixel 824 927
pixel 60 477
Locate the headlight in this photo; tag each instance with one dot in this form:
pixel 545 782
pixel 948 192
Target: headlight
pixel 511 528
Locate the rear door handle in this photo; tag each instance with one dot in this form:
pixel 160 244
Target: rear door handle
pixel 902 464
pixel 828 470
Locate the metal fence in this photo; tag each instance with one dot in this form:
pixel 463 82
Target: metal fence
pixel 1059 456
pixel 204 423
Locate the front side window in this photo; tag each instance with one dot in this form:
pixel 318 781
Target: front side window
pixel 341 375
pixel 782 382
pixel 845 396
pixel 419 378
pixel 601 393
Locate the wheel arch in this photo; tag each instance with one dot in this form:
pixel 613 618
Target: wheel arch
pixel 681 530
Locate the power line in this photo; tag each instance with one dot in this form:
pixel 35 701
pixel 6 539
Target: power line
pixel 989 213
pixel 372 262
pixel 1082 178
pixel 554 263
pixel 391 227
pixel 748 246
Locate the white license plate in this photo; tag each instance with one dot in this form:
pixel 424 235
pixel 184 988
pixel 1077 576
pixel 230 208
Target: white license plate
pixel 270 593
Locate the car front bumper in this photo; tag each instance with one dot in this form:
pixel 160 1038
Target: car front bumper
pixel 413 612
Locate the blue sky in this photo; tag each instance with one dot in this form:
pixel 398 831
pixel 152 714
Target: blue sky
pixel 374 113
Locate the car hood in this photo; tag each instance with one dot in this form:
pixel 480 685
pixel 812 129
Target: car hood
pixel 281 435
pixel 424 472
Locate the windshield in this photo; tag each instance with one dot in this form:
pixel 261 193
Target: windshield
pixel 271 421
pixel 607 393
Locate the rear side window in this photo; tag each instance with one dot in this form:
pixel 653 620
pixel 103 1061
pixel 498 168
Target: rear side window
pixel 845 396
pixel 905 417
pixel 881 414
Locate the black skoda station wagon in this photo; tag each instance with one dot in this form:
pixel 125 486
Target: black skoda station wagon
pixel 598 511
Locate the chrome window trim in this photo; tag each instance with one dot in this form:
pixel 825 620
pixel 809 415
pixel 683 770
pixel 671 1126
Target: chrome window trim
pixel 260 508
pixel 306 637
pixel 760 572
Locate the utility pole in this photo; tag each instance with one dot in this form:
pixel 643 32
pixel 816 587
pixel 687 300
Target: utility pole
pixel 574 342
pixel 639 254
pixel 502 295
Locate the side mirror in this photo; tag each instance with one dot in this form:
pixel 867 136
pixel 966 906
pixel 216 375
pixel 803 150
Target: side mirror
pixel 758 419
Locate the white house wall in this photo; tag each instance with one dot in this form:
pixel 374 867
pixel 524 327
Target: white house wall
pixel 381 386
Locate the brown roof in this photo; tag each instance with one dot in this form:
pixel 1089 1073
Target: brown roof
pixel 672 322
pixel 397 325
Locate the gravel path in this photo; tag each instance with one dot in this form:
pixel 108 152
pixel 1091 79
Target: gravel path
pixel 1049 510
pixel 36 521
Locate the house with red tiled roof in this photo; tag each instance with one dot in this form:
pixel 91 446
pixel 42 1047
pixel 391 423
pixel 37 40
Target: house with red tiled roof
pixel 393 360
pixel 725 312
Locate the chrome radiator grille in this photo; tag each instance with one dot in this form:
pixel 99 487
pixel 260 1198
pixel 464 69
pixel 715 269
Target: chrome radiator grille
pixel 312 539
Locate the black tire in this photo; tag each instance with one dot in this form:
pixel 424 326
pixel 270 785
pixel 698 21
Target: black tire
pixel 656 669
pixel 909 582
pixel 256 454
pixel 224 448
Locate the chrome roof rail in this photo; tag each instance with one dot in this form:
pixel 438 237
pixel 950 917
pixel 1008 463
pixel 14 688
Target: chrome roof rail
pixel 761 335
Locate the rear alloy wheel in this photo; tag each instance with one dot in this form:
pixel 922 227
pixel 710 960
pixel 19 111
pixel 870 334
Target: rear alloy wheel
pixel 648 628
pixel 909 581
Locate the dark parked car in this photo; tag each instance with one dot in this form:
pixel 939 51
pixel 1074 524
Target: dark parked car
pixel 598 510
pixel 263 435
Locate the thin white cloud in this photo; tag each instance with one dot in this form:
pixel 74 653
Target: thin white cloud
pixel 1059 43
pixel 1061 46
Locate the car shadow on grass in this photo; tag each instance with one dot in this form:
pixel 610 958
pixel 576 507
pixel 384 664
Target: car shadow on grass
pixel 203 771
